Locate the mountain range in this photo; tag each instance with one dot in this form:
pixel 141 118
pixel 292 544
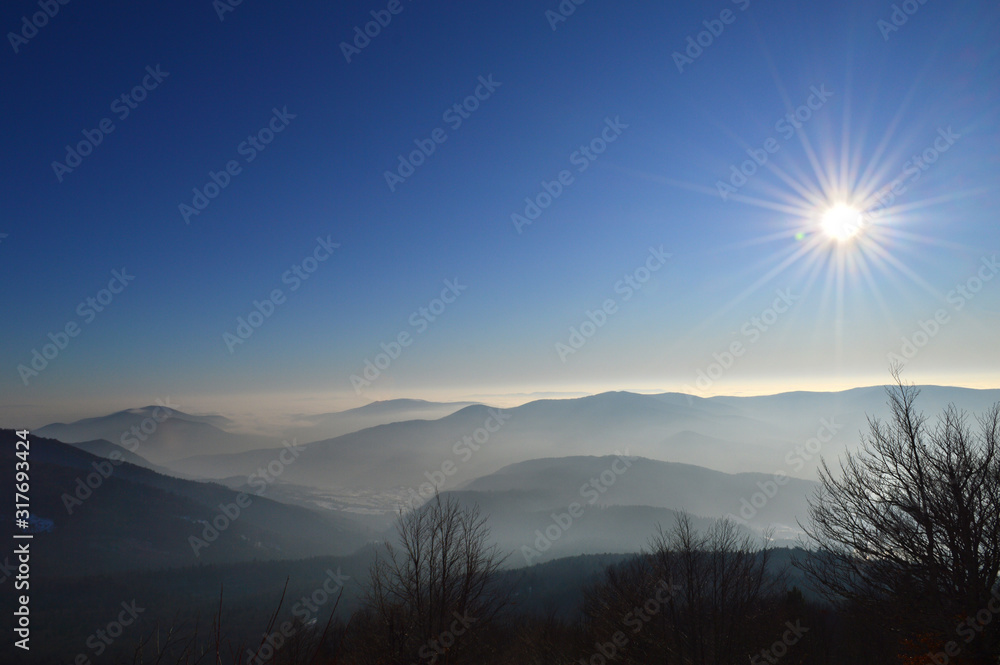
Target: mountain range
pixel 651 456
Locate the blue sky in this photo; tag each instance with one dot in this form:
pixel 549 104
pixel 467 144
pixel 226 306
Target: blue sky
pixel 323 176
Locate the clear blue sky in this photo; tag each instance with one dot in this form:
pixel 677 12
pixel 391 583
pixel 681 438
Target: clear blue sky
pixel 655 185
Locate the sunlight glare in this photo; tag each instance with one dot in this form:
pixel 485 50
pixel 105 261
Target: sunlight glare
pixel 841 222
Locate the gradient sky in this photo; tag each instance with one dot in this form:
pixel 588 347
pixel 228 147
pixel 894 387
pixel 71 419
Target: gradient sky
pixel 323 176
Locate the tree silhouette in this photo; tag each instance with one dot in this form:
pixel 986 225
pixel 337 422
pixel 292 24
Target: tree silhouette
pixel 434 595
pixel 908 531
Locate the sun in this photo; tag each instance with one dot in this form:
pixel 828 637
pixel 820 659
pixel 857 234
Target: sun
pixel 841 222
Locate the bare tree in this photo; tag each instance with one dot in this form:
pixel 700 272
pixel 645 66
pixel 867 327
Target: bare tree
pixel 694 597
pixel 435 594
pixel 908 531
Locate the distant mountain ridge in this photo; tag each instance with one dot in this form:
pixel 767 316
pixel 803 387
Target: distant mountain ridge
pixel 161 433
pixel 330 425
pixel 730 434
pixel 620 500
pixel 158 433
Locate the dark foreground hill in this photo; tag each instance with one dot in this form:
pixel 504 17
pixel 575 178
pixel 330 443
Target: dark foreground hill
pixel 92 516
